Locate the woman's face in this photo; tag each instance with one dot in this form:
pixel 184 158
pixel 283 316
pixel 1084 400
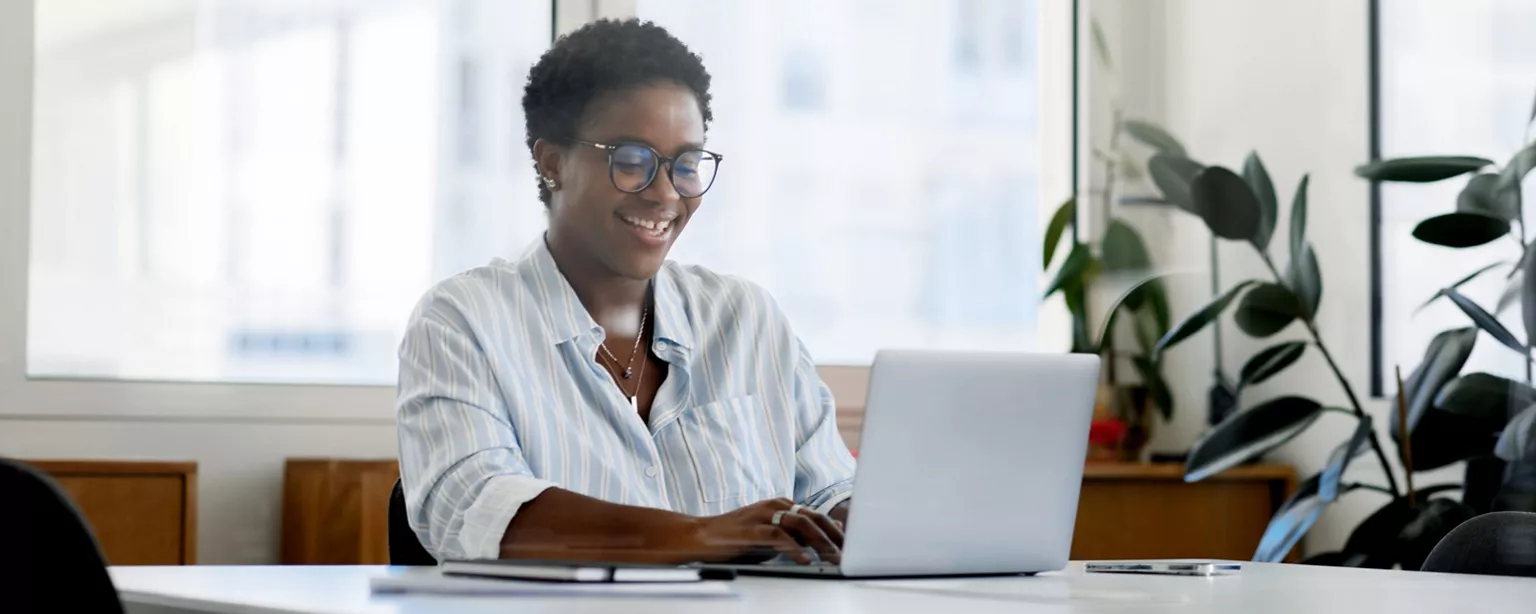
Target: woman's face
pixel 627 233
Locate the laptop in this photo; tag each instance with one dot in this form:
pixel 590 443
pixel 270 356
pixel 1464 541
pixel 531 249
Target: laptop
pixel 970 463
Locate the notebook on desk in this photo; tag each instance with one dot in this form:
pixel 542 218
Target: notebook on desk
pixel 579 571
pixel 432 581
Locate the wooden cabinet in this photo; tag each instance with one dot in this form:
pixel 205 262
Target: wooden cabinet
pixel 1137 510
pixel 143 513
pixel 336 512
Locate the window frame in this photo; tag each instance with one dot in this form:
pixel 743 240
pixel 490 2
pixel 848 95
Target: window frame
pixel 23 398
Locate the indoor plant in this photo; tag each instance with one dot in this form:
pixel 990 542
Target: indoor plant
pixel 1120 250
pixel 1485 420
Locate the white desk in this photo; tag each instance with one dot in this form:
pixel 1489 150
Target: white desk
pixel 1260 589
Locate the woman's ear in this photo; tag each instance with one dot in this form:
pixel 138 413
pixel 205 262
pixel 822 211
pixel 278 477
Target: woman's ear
pixel 547 156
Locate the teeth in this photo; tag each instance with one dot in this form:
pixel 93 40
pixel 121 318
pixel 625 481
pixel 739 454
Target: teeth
pixel 657 227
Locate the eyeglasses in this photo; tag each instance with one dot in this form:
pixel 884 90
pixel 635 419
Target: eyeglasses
pixel 632 167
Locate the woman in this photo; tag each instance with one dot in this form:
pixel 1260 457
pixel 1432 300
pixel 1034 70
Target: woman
pixel 593 400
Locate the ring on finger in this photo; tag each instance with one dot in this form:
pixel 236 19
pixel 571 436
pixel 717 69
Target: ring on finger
pixel 778 517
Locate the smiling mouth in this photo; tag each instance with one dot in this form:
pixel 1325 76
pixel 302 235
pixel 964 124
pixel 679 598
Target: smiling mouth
pixel 655 228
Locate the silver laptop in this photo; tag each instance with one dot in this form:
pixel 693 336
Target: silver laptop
pixel 969 464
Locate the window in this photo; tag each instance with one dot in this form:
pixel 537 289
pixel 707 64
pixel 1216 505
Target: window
pixel 1455 78
pixel 895 182
pixel 257 191
pixel 244 190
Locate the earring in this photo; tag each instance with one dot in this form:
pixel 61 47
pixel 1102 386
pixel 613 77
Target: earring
pixel 549 182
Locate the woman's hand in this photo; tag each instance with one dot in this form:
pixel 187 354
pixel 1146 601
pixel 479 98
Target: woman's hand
pixel 749 534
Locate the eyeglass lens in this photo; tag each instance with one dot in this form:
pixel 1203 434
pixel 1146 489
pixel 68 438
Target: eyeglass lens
pixel 633 167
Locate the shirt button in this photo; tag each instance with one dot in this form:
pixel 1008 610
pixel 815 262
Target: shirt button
pixel 650 472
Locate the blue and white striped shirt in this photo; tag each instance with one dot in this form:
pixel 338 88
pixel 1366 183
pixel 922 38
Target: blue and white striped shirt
pixel 501 396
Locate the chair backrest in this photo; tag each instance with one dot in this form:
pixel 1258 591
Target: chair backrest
pixel 49 559
pixel 404 547
pixel 1494 544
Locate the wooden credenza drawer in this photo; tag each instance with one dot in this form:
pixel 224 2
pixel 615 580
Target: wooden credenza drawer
pixel 1147 511
pixel 143 513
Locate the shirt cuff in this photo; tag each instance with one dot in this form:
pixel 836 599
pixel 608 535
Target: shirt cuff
pixel 486 520
pixel 826 507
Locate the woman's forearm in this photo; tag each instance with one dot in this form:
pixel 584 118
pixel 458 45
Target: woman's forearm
pixel 560 524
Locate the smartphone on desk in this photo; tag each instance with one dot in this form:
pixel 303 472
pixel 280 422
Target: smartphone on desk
pixel 1166 568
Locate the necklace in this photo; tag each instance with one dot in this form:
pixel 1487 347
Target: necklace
pixel 633 352
pixel 634 398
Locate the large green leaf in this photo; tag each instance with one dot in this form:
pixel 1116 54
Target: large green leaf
pixel 1486 398
pixel 1518 441
pixel 1338 460
pixel 1267 309
pixel 1434 519
pixel 1461 282
pixel 1305 279
pixel 1518 492
pixel 1376 538
pixel 1199 319
pixel 1422 169
pixel 1172 174
pixel 1442 438
pixel 1153 136
pixel 1157 388
pixel 1057 226
pixel 1074 270
pixel 1287 528
pixel 1482 195
pixel 1147 292
pixel 1269 206
pixel 1226 203
pixel 1248 434
pixel 1518 167
pixel 1514 289
pixel 1485 320
pixel 1482 477
pixel 1124 249
pixel 1461 229
pixel 1443 359
pixel 1299 216
pixel 1270 361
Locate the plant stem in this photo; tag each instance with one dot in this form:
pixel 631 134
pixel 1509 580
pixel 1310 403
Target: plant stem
pixel 1372 487
pixel 1338 374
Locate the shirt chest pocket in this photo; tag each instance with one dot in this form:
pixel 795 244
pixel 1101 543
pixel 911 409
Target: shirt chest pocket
pixel 732 445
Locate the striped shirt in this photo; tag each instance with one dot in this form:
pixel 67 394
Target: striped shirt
pixel 501 396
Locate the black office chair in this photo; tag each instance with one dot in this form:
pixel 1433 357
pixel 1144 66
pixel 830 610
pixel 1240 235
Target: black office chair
pixel 1493 544
pixel 49 558
pixel 404 548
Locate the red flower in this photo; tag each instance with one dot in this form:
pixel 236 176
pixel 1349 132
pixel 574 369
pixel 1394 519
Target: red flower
pixel 1106 432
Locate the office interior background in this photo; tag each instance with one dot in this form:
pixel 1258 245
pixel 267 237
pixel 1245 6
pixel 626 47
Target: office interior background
pixel 216 215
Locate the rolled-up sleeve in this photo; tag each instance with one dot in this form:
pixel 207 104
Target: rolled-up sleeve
pixel 461 467
pixel 823 466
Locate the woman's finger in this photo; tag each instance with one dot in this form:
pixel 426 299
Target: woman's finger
pixel 781 541
pixel 808 532
pixel 832 528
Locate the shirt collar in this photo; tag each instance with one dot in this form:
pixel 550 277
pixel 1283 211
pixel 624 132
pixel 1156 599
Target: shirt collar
pixel 566 318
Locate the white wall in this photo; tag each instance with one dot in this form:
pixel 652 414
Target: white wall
pixel 1290 80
